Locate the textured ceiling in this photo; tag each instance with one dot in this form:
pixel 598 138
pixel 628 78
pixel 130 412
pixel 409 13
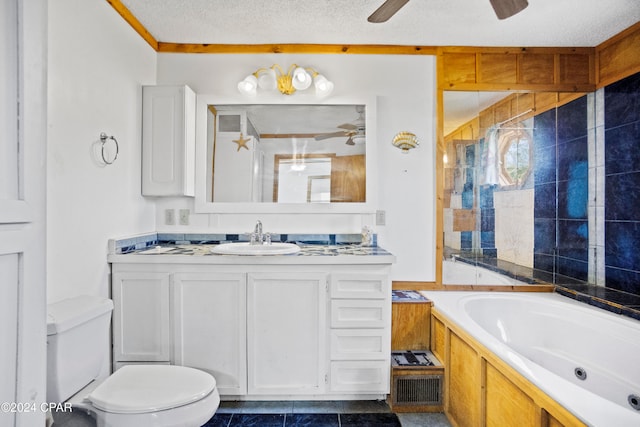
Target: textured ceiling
pixel 581 23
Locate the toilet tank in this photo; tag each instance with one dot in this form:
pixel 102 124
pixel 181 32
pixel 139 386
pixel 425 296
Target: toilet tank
pixel 77 344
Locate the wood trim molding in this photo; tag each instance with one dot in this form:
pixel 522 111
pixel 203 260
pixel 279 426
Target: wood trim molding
pixel 133 21
pixel 397 285
pixel 367 49
pixel 618 57
pixel 557 69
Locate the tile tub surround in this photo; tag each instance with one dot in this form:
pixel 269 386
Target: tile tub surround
pixel 622 184
pixel 606 298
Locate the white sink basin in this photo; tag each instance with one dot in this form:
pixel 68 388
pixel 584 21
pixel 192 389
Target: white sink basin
pixel 244 248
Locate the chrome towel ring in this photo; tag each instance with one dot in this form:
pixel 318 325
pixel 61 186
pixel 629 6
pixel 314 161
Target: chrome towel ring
pixel 103 139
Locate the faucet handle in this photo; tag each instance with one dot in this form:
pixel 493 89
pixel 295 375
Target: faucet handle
pixel 267 238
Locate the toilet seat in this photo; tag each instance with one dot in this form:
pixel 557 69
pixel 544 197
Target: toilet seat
pixel 136 389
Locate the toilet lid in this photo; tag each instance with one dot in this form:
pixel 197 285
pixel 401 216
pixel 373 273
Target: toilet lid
pixel 150 388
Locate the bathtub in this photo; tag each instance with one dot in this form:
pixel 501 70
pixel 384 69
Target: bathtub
pixel 461 273
pixel 552 340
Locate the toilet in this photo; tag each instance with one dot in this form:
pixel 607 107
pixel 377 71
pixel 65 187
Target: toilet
pixel 134 395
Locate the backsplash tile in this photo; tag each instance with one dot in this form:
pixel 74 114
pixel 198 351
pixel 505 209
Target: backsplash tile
pixel 127 245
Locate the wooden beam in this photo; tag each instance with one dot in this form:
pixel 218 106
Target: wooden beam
pixel 618 57
pixel 133 21
pixel 545 69
pixel 295 48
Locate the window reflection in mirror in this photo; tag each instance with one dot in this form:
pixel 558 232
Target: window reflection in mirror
pixel 286 153
pixel 516 148
pixel 294 177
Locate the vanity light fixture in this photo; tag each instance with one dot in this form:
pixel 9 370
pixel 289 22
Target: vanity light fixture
pixel 296 78
pixel 405 141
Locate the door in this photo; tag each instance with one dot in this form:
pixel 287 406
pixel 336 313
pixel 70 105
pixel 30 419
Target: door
pixel 22 209
pixel 348 178
pixel 209 316
pixel 286 316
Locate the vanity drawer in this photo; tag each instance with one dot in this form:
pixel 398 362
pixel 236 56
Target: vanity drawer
pixel 370 376
pixel 360 344
pixel 360 314
pixel 360 286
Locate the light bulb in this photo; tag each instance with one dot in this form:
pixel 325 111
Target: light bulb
pixel 267 80
pixel 249 85
pixel 301 80
pixel 323 86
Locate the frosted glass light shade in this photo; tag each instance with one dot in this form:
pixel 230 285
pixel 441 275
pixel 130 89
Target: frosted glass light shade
pixel 301 80
pixel 267 80
pixel 323 86
pixel 249 85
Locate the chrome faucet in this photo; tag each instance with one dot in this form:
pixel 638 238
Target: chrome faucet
pixel 257 238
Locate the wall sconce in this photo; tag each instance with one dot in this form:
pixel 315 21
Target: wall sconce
pixel 405 141
pixel 296 78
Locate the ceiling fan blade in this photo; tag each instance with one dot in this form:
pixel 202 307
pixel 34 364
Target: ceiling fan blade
pixel 386 11
pixel 330 135
pixel 348 126
pixel 507 8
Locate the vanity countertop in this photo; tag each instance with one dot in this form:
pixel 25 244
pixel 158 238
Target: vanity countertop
pixel 309 254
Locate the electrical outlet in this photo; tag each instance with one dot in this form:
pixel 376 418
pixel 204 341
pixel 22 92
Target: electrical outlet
pixel 184 216
pixel 381 217
pixel 170 217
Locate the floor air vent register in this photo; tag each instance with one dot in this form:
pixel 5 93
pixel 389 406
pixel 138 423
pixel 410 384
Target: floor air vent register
pixel 417 382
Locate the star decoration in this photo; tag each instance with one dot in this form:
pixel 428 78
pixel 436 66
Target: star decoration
pixel 242 142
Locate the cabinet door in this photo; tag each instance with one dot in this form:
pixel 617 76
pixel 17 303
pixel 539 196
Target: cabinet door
pixel 286 316
pixel 209 313
pixel 140 317
pixel 168 141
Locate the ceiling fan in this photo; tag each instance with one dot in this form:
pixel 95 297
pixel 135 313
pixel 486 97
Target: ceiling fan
pixel 503 9
pixel 354 131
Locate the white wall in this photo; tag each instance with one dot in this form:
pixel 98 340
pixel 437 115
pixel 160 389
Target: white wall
pixel 405 91
pixel 97 65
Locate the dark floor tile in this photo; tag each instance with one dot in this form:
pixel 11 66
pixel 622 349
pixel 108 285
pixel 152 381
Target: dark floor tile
pixel 312 420
pixel 365 406
pixel 257 420
pixel 369 420
pixel 219 420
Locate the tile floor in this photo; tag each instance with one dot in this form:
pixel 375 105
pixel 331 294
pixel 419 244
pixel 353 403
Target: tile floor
pixel 319 414
pixel 295 414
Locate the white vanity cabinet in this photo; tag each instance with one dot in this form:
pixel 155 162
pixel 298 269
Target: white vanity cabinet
pixel 141 317
pixel 286 331
pixel 360 332
pixel 168 141
pixel 209 326
pixel 286 317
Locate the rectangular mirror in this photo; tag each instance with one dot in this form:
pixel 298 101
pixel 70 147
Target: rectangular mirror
pixel 516 188
pixel 293 157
